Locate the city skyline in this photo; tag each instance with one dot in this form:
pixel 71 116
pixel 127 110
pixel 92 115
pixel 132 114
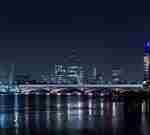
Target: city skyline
pixel 72 68
pixel 35 45
pixel 80 72
pixel 31 54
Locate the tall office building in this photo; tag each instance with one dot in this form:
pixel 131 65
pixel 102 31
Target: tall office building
pixel 147 61
pixel 116 75
pixel 74 68
pixel 75 73
pixel 60 73
pixel 89 74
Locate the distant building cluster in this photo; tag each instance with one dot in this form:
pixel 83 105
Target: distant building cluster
pixel 65 74
pixel 73 72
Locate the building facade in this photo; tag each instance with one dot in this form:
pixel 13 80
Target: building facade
pixel 147 62
pixel 116 75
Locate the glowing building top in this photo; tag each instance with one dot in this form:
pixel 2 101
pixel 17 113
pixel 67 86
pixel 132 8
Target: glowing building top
pixel 146 49
pixel 147 61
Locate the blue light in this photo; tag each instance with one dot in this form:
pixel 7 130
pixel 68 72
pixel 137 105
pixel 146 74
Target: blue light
pixel 147 48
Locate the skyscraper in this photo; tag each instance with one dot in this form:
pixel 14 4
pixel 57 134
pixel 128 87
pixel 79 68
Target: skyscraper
pixel 147 61
pixel 116 75
pixel 74 68
pixel 60 73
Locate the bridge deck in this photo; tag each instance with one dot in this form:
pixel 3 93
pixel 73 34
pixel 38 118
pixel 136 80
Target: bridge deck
pixel 86 85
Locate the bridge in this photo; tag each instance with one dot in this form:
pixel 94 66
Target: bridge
pixel 82 86
pixel 36 87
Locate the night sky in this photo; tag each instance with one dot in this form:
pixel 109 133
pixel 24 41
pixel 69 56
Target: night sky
pixel 38 37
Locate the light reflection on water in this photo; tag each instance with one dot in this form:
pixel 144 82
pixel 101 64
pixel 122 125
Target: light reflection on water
pixel 71 115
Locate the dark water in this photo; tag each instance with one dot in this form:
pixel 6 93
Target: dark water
pixel 71 115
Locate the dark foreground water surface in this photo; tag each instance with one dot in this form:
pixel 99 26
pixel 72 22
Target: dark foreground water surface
pixel 71 115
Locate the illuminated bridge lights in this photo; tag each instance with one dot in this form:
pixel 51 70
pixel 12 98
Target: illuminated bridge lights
pixel 69 90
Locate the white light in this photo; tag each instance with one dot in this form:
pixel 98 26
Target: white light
pixel 58 94
pixel 90 104
pixel 79 104
pixel 58 105
pixel 114 109
pixel 68 94
pixel 68 105
pixel 102 108
pixel 16 122
pixel 80 114
pixel 90 111
pixel 90 94
pixel 68 110
pixel 79 94
pixel 90 107
pixel 47 94
pixel 102 94
pixel 143 107
pixel 144 82
pixel 117 89
pixel 16 119
pixel 26 93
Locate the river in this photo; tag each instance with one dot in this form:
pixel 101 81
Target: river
pixel 71 115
